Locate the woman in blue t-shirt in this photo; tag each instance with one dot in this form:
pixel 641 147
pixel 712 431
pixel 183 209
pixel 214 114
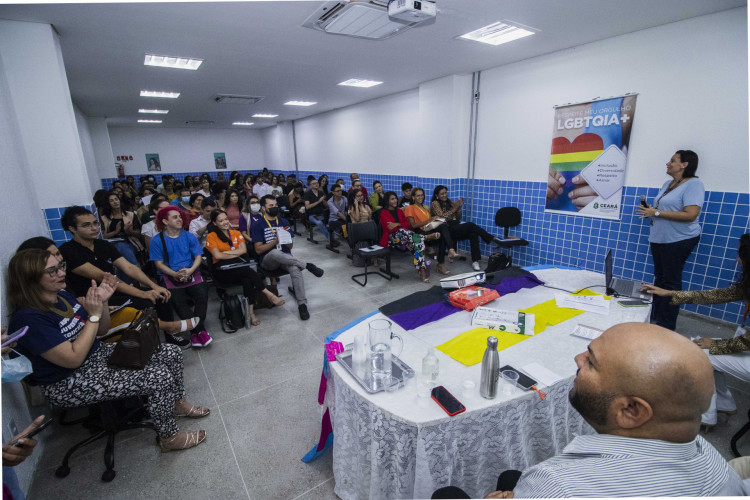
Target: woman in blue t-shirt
pixel 70 364
pixel 675 230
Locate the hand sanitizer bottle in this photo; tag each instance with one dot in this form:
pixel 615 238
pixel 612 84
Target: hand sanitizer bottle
pixel 430 365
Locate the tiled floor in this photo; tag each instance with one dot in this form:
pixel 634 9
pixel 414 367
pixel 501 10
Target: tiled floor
pixel 261 385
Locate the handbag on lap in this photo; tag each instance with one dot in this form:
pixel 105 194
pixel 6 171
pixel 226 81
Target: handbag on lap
pixel 138 342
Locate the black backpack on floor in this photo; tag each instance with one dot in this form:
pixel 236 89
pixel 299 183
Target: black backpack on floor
pixel 497 262
pixel 232 313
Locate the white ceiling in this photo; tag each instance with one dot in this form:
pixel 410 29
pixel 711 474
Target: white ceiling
pixel 260 49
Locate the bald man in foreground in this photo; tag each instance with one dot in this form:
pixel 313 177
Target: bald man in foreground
pixel 643 389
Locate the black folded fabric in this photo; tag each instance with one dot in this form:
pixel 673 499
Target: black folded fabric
pixel 511 272
pixel 416 300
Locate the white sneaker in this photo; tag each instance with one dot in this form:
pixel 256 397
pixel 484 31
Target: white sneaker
pixel 475 266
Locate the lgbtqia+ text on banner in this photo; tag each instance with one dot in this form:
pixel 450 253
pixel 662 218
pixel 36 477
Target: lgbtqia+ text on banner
pixel 589 157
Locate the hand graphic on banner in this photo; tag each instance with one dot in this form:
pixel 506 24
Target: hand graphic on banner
pixel 555 183
pixel 583 194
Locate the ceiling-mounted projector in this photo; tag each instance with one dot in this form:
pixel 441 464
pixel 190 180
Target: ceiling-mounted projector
pixel 412 10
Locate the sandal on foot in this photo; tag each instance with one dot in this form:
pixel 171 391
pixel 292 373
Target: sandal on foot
pixel 278 302
pixel 423 275
pixel 194 412
pixel 182 441
pixel 442 270
pixel 432 236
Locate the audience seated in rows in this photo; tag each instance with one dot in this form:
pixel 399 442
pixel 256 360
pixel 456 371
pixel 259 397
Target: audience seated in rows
pixel 356 183
pixel 419 219
pixel 337 208
pixel 149 230
pixel 273 255
pixel 442 206
pixel 119 224
pixel 315 207
pixel 199 226
pixel 406 195
pixel 232 207
pixel 69 362
pixel 376 198
pixel 359 209
pixel 227 246
pixel 177 256
pixel 397 233
pixel 250 215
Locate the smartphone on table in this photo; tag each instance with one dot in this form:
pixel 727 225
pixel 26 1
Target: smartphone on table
pixel 446 401
pixel 524 381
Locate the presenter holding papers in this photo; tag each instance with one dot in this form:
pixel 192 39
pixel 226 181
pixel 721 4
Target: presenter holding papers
pixel 675 230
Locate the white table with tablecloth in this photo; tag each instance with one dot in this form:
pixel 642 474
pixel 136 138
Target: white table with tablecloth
pixel 402 445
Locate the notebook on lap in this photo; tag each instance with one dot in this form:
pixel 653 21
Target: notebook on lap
pixel 621 287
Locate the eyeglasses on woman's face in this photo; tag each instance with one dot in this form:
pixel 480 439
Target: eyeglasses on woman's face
pixel 54 270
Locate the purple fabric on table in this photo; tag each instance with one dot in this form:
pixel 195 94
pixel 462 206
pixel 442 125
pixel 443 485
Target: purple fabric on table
pixel 409 320
pixel 510 285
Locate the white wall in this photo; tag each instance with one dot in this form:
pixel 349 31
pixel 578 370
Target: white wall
pixel 444 114
pixel 105 165
pixel 87 148
pixel 692 77
pixel 17 197
pixel 278 147
pixel 40 96
pixel 185 150
pixel 380 136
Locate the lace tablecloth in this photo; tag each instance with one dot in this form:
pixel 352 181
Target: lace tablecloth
pixel 400 445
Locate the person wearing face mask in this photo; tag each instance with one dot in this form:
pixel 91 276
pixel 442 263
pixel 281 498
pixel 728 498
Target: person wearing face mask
pixel 183 199
pixel 267 238
pixel 198 226
pixel 250 215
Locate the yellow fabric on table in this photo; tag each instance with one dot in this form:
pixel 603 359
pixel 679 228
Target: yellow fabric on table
pixel 548 314
pixel 468 348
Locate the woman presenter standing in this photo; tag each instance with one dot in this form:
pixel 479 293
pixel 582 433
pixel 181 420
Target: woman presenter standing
pixel 675 230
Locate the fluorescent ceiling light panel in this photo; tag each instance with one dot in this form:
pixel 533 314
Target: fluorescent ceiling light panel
pixel 242 123
pixel 156 93
pixel 497 33
pixel 149 121
pixel 358 82
pixel 263 115
pixel 154 111
pixel 299 103
pixel 172 62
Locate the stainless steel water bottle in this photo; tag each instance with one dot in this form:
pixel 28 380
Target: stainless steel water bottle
pixel 490 365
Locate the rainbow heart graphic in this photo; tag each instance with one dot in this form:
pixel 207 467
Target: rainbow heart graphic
pixel 569 159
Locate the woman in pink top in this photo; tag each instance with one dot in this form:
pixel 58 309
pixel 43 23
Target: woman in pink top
pixel 232 208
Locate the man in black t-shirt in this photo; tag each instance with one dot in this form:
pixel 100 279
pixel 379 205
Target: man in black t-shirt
pixel 89 258
pixel 291 180
pixel 315 207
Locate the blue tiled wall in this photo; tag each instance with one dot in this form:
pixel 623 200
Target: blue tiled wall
pixel 52 216
pixel 571 240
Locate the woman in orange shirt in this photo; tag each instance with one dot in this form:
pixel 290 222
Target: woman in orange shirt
pixel 419 216
pixel 227 245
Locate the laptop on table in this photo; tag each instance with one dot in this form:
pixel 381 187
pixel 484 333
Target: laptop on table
pixel 621 287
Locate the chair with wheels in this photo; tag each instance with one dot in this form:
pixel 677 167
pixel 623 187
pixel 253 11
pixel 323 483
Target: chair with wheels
pixel 367 232
pixel 506 218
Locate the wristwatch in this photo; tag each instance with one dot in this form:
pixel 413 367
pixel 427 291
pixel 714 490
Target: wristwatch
pixel 657 213
pixel 94 318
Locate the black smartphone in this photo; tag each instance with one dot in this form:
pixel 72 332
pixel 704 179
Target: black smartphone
pixel 31 434
pixel 447 402
pixel 632 303
pixel 643 201
pixel 523 380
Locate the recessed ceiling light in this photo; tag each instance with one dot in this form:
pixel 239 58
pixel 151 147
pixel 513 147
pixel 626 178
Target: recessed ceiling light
pixel 149 121
pixel 357 82
pixel 497 33
pixel 242 123
pixel 172 62
pixel 262 115
pixel 156 93
pixel 154 111
pixel 299 103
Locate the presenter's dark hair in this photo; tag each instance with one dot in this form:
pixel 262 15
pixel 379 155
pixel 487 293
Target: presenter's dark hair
pixel 691 158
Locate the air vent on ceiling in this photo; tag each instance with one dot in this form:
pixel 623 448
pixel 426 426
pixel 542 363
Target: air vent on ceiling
pixel 358 18
pixel 236 99
pixel 199 122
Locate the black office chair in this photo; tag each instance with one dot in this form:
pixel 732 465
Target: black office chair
pixel 506 218
pixel 368 232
